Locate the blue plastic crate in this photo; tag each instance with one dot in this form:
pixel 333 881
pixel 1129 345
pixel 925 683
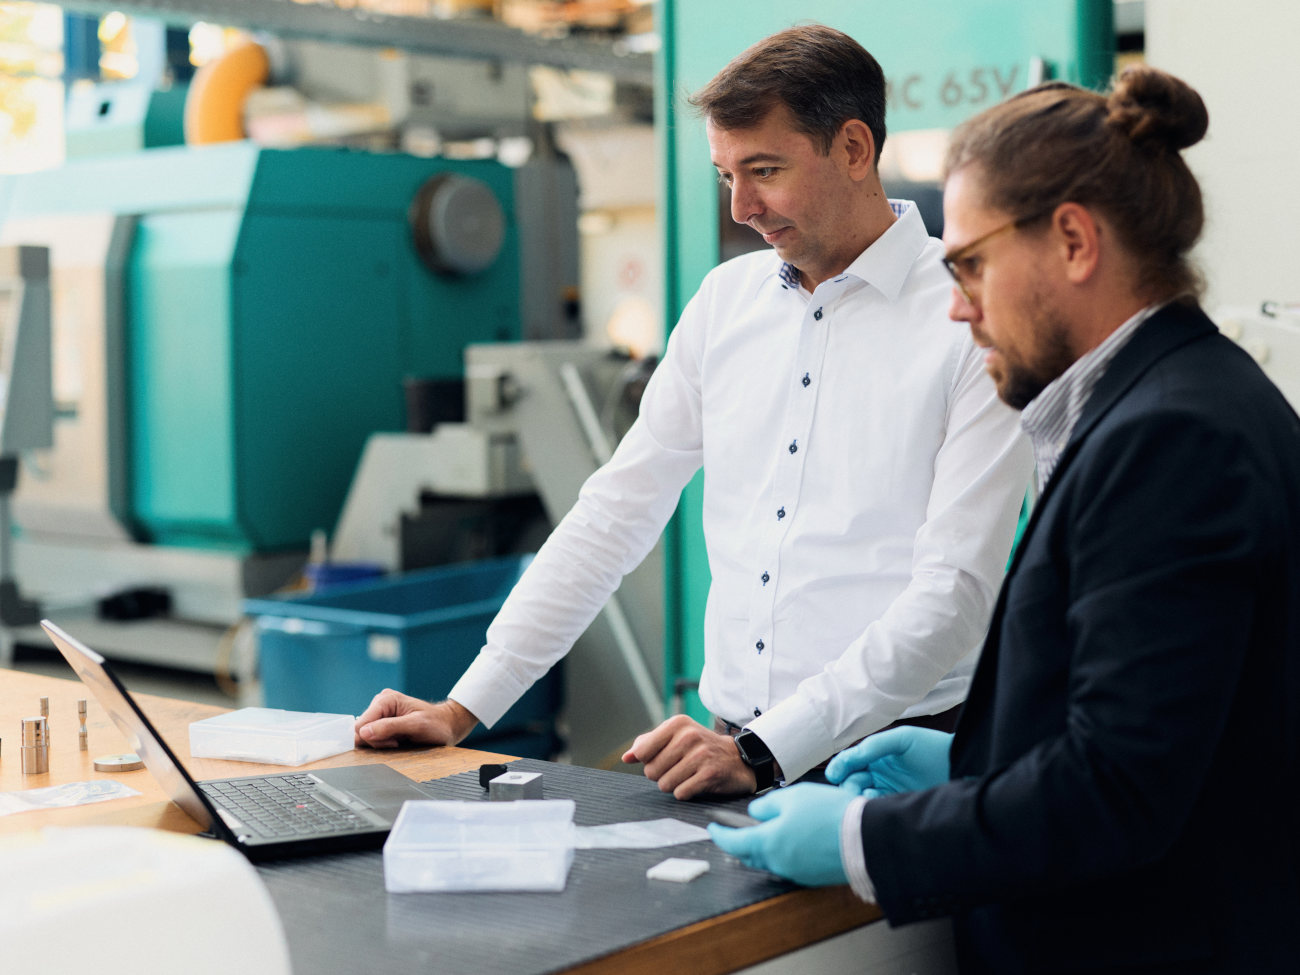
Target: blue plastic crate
pixel 416 633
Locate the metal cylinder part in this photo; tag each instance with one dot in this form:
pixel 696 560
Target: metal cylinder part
pixel 35 745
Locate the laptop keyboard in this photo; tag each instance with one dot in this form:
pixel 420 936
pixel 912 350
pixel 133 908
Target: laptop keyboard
pixel 281 805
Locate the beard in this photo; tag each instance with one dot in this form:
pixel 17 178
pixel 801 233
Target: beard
pixel 1021 380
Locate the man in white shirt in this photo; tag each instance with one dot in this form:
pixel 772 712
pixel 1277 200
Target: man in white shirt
pixel 862 480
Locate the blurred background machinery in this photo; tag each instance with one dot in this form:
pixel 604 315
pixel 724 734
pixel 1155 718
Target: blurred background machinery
pixel 229 323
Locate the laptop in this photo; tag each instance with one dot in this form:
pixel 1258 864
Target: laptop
pixel 294 813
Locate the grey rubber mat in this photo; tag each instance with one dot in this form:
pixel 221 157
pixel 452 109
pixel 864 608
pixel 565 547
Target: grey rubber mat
pixel 339 919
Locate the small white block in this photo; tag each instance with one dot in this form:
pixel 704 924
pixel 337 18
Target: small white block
pixel 678 869
pixel 515 785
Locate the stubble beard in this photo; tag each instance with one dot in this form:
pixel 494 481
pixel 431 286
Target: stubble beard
pixel 1021 382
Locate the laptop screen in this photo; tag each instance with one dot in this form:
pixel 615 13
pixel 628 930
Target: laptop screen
pixel 141 736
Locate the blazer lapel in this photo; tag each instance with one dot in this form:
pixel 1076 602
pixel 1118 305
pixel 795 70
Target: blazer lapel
pixel 1173 326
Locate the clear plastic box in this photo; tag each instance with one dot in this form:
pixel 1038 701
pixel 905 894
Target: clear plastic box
pixel 272 736
pixel 480 846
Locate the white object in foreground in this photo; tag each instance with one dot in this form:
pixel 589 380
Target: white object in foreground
pixel 121 900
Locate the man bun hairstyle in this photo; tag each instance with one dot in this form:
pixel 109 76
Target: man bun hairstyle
pixel 823 76
pixel 1156 110
pixel 1119 152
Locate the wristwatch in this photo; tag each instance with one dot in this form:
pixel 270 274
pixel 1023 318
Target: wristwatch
pixel 755 754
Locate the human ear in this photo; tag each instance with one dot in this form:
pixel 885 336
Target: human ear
pixel 859 145
pixel 1077 234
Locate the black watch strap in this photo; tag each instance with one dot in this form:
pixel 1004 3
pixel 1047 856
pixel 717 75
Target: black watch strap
pixel 755 753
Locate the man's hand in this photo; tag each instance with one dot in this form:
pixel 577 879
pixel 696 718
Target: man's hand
pixel 394 718
pixel 687 759
pixel 899 760
pixel 799 837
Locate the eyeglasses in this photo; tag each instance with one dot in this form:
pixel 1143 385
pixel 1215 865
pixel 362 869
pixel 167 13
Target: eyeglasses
pixel 953 261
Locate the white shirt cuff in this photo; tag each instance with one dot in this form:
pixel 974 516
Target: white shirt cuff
pixel 852 853
pixel 486 690
pixel 794 731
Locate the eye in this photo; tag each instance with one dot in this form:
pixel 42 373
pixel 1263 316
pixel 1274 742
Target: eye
pixel 765 172
pixel 724 178
pixel 969 266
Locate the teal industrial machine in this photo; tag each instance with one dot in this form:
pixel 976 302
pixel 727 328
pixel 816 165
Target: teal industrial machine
pixel 944 59
pixel 230 323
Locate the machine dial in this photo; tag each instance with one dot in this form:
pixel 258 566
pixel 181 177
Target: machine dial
pixel 457 224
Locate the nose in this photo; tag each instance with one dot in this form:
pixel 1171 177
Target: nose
pixel 745 203
pixel 962 309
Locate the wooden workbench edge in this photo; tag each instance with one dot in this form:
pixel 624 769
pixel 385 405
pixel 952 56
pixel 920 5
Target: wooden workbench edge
pixel 728 942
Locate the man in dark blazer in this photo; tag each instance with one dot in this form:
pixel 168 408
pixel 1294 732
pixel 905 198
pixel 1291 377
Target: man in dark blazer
pixel 1121 792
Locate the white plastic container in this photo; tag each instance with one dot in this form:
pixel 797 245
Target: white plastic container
pixel 467 846
pixel 272 736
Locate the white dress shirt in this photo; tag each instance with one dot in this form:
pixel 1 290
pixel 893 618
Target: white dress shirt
pixel 861 487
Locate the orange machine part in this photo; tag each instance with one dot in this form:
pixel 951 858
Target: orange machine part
pixel 215 104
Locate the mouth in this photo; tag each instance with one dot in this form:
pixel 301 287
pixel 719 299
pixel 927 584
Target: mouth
pixel 772 236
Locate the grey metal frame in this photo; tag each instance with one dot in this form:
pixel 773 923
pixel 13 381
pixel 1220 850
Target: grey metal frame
pixel 322 21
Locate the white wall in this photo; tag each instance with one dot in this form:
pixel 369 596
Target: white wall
pixel 1242 57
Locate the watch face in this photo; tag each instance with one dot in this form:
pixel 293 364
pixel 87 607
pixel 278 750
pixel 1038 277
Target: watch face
pixel 752 750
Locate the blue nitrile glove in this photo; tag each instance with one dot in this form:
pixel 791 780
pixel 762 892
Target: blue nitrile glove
pixel 898 760
pixel 799 837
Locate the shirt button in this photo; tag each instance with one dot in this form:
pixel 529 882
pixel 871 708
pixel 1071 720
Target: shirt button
pixel 766 578
pixel 818 314
pixel 757 712
pixel 794 446
pixel 759 646
pixel 806 381
pixel 780 513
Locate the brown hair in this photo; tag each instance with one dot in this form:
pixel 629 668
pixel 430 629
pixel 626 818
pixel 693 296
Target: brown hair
pixel 1119 152
pixel 823 76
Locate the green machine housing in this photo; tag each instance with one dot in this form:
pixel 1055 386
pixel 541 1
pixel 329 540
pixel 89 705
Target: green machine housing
pixel 261 311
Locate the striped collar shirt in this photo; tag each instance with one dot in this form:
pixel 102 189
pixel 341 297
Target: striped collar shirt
pixel 1051 417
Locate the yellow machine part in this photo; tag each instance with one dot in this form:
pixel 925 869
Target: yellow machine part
pixel 215 103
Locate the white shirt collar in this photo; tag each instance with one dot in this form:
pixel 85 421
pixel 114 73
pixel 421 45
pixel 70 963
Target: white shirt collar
pixel 887 262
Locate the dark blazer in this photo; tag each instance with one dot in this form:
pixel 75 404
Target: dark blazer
pixel 1124 774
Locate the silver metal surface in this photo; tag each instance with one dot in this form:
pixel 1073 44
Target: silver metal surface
pixel 26 401
pixel 74 487
pixel 515 785
pixel 35 745
pixel 126 762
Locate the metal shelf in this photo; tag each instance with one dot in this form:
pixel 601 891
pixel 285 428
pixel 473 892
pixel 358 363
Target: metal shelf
pixel 323 22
